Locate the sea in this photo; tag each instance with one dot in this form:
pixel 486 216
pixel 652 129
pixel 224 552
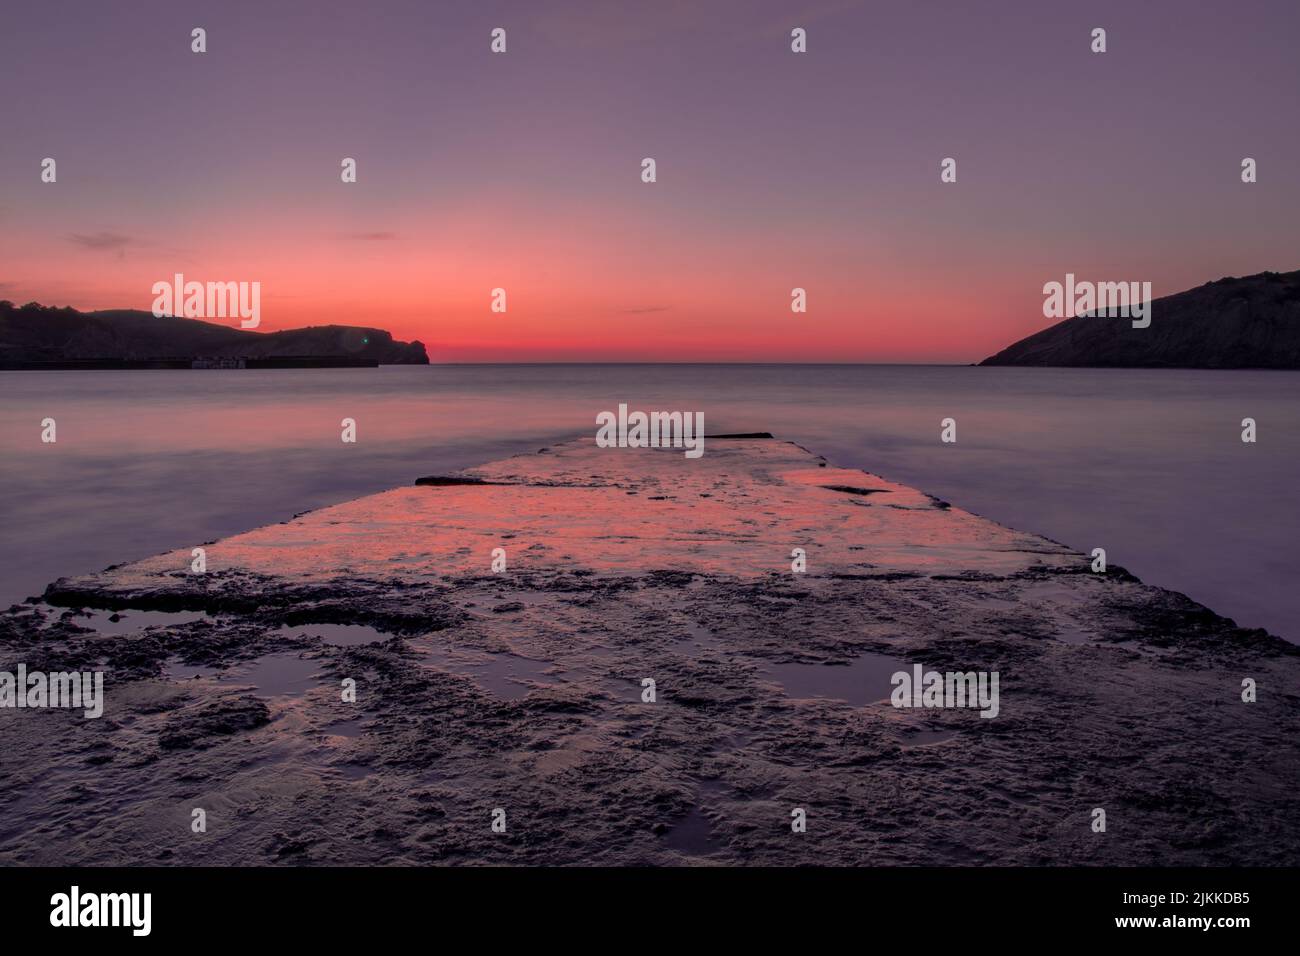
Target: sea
pixel 1148 464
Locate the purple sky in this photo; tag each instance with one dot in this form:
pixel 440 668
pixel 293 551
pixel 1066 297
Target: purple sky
pixel 775 170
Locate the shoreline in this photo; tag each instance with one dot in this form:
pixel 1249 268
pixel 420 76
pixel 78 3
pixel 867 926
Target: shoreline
pixel 523 687
pixel 196 364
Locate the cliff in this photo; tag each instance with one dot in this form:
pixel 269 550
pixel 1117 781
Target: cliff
pixel 1251 322
pixel 34 334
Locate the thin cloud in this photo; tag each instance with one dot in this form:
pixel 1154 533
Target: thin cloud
pixel 643 311
pixel 103 241
pixel 372 236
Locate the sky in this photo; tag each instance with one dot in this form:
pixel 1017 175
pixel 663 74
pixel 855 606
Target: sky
pixel 522 170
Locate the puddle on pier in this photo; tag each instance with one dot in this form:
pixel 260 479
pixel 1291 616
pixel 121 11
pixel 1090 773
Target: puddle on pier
pixel 128 621
pixel 864 680
pixel 346 728
pixel 925 738
pixel 340 635
pixel 504 675
pixel 692 835
pixel 275 675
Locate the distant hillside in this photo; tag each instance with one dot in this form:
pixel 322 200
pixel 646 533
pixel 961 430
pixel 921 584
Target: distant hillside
pixel 38 334
pixel 1253 322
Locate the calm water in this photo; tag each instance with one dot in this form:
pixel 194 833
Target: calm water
pixel 1147 464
